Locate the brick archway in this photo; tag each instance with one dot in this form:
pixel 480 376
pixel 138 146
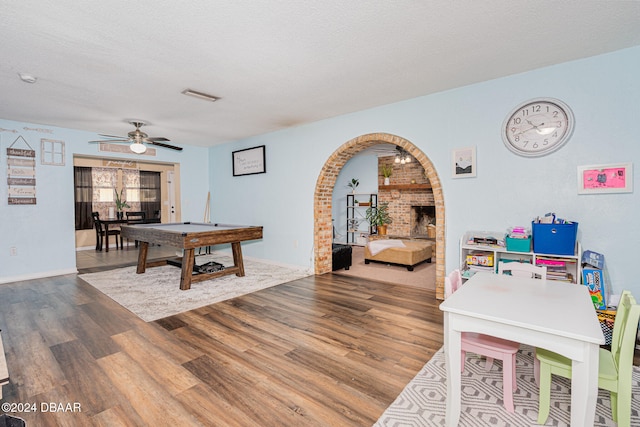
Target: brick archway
pixel 324 194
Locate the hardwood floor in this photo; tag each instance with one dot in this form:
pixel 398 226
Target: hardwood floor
pixel 321 351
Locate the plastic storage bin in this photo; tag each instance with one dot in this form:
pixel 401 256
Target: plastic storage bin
pixel 518 245
pixel 480 258
pixel 555 239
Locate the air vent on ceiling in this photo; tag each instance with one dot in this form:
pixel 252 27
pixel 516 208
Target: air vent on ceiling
pixel 200 95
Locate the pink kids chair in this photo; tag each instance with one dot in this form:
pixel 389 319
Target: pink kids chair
pixel 489 347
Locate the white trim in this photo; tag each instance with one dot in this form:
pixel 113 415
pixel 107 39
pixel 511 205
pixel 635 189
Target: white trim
pixel 41 275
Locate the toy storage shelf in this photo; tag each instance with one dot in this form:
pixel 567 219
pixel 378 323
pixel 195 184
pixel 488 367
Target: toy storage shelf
pixel 565 268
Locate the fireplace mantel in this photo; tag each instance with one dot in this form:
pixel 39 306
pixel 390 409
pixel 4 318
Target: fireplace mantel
pixel 404 187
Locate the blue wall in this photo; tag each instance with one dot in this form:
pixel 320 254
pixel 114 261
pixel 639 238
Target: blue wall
pixel 509 190
pixel 44 233
pixel 603 92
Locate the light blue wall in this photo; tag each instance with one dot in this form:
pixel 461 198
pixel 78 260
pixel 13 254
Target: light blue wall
pixel 44 234
pixel 365 169
pixel 603 93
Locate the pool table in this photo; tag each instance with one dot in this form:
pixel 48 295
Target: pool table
pixel 189 236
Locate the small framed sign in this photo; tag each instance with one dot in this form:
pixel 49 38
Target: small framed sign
pixel 249 161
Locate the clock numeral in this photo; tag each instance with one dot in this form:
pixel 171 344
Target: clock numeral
pixel 517 121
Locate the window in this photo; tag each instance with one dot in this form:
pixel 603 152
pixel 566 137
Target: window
pixel 95 190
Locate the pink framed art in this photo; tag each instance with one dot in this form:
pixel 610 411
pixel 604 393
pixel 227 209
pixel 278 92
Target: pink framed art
pixel 613 178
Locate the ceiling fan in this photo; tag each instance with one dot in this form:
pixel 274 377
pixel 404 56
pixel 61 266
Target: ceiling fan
pixel 138 139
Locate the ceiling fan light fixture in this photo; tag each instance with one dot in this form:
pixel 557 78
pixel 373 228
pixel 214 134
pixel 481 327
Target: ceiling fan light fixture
pixel 200 95
pixel 138 147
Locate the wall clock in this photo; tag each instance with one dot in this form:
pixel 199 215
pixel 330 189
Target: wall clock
pixel 538 127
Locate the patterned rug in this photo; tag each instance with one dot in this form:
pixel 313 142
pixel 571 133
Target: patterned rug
pixel 156 293
pixel 422 402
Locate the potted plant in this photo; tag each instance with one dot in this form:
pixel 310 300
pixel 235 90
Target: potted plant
pixel 386 171
pixel 353 184
pixel 120 203
pixel 379 217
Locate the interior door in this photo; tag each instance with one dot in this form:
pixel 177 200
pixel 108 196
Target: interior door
pixel 171 193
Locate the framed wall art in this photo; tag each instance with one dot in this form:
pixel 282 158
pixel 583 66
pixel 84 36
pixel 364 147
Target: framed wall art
pixel 612 178
pixel 249 161
pixel 463 162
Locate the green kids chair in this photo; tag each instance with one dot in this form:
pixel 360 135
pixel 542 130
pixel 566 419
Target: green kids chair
pixel 614 370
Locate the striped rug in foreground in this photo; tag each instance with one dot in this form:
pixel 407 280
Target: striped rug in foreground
pixel 422 402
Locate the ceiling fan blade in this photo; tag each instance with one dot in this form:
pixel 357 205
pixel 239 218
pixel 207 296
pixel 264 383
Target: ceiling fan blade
pixel 112 136
pixel 160 144
pixel 157 139
pixel 112 140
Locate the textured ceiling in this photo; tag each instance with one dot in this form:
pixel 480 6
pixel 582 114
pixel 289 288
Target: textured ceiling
pixel 276 63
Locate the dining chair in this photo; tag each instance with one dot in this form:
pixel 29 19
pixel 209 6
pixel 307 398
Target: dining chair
pixel 489 347
pixel 135 217
pixel 101 234
pixel 615 368
pixel 522 269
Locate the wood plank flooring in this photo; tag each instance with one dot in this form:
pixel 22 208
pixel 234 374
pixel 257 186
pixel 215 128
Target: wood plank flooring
pixel 325 350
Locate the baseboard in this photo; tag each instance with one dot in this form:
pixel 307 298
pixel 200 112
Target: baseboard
pixel 40 275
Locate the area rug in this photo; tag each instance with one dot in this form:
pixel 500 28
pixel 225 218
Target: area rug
pixel 422 402
pixel 156 293
pixel 423 276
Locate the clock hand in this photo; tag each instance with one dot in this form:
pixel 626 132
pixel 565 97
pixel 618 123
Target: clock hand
pixel 524 131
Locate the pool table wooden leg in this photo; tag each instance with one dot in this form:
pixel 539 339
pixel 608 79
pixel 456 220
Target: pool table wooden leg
pixel 142 257
pixel 188 259
pixel 237 258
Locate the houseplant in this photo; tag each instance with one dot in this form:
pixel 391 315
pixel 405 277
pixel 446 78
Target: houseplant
pixel 353 184
pixel 120 203
pixel 386 171
pixel 379 217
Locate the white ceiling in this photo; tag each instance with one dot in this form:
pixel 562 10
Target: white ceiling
pixel 276 63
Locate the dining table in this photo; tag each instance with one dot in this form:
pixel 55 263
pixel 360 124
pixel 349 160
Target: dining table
pixel 118 221
pixel 549 314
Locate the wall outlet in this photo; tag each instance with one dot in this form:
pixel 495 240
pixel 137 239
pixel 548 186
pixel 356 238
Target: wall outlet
pixel 13 251
pixel 295 244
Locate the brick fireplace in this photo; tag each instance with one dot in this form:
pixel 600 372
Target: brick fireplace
pixel 423 220
pixel 410 198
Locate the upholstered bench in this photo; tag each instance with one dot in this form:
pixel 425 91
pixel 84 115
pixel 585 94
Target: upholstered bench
pixel 341 256
pixel 408 253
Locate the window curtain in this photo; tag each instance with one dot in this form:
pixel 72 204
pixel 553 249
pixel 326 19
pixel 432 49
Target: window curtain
pixel 150 193
pixel 83 194
pixel 131 185
pixel 104 185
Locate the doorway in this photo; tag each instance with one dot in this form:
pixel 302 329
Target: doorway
pixel 323 233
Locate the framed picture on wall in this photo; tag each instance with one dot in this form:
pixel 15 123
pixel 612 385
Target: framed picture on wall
pixel 463 162
pixel 612 178
pixel 249 161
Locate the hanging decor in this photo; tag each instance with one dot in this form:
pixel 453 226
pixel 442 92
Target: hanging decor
pixel 21 173
pixel 51 152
